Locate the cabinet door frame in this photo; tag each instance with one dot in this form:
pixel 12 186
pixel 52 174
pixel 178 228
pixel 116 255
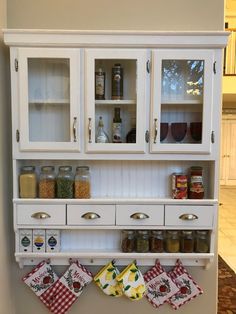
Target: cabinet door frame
pixel 74 58
pixel 113 53
pixel 180 54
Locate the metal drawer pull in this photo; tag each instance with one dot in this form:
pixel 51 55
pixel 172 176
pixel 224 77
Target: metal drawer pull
pixel 90 215
pixel 40 215
pixel 139 216
pixel 188 217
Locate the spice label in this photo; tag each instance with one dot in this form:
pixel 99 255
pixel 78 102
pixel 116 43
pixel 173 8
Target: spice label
pixel 25 240
pixel 38 240
pixel 52 240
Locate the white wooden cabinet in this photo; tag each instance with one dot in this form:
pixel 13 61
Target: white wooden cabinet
pixel 169 78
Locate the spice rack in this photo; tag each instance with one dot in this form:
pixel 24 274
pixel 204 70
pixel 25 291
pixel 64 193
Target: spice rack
pixel 55 116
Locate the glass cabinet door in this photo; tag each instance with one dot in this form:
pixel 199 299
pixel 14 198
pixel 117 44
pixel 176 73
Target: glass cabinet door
pixel 181 101
pixel 115 100
pixel 48 108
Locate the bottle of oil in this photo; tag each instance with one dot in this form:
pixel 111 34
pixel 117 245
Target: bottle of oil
pixel 117 82
pixel 100 84
pixel 117 127
pixel 101 136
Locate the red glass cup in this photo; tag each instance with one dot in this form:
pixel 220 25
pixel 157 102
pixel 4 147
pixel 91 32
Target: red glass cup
pixel 163 130
pixel 196 131
pixel 178 130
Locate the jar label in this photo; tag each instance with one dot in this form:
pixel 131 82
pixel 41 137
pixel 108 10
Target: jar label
pixel 196 179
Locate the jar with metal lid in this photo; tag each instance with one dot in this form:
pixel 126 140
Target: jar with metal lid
pixel 128 241
pixel 142 241
pixel 65 182
pixel 156 241
pixel 82 182
pixel 47 182
pixel 28 182
pixel 202 240
pixel 186 241
pixel 196 188
pixel 172 241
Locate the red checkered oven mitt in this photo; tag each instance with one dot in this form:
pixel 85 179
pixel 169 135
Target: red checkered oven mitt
pixel 60 297
pixel 159 285
pixel 41 278
pixel 188 288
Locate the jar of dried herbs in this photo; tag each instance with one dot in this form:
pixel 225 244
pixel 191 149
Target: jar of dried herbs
pixel 186 241
pixel 128 241
pixel 202 244
pixel 142 241
pixel 172 241
pixel 65 182
pixel 82 182
pixel 47 182
pixel 156 241
pixel 28 182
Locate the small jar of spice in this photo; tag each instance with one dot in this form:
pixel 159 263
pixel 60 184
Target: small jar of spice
pixel 47 182
pixel 82 182
pixel 28 182
pixel 65 182
pixel 142 241
pixel 196 188
pixel 156 241
pixel 187 241
pixel 202 241
pixel 128 241
pixel 172 241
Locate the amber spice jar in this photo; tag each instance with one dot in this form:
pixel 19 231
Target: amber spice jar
pixel 196 188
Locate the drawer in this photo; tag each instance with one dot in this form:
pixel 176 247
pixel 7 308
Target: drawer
pixel 90 215
pixel 140 215
pixel 40 214
pixel 189 216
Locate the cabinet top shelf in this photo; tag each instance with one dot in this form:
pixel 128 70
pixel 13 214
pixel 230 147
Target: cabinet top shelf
pixel 181 102
pixel 115 102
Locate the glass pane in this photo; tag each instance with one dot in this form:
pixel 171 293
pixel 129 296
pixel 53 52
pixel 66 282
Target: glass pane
pixel 115 100
pixel 49 99
pixel 182 101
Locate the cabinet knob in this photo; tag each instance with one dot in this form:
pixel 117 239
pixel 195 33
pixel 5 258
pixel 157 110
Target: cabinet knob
pixel 40 215
pixel 139 216
pixel 188 217
pixel 90 215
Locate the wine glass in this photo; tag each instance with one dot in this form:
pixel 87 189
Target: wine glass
pixel 163 130
pixel 196 131
pixel 178 130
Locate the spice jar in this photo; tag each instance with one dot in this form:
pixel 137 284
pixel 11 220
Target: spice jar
pixel 65 182
pixel 47 182
pixel 82 182
pixel 156 241
pixel 172 241
pixel 202 241
pixel 196 188
pixel 186 241
pixel 128 241
pixel 142 241
pixel 28 182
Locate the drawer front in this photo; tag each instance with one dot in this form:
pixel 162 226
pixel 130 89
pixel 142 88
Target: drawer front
pixel 91 215
pixel 140 215
pixel 189 216
pixel 40 214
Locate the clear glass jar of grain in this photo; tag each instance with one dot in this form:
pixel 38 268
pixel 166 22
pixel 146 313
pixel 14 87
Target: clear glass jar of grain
pixel 65 182
pixel 28 182
pixel 82 182
pixel 47 182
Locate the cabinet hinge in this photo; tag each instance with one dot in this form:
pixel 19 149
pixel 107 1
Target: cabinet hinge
pixel 212 136
pixel 17 136
pixel 214 67
pixel 16 65
pixel 147 136
pixel 148 66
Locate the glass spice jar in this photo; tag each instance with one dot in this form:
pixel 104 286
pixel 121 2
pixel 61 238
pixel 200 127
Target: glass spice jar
pixel 202 244
pixel 186 241
pixel 128 241
pixel 142 241
pixel 28 182
pixel 65 182
pixel 156 241
pixel 172 241
pixel 82 182
pixel 47 182
pixel 196 188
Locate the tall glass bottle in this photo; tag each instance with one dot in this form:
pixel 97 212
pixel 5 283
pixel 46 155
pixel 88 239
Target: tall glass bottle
pixel 101 136
pixel 100 84
pixel 116 127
